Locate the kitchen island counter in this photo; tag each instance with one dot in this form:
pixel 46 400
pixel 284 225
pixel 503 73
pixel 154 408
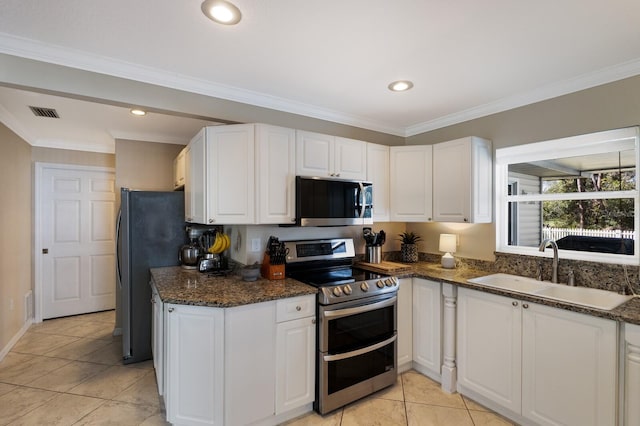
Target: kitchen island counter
pixel 190 287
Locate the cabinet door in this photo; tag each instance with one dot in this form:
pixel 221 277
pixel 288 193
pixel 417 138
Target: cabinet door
pixel 230 174
pixel 569 374
pixel 157 337
pixel 462 181
pixel 410 183
pixel 195 365
pixel 405 324
pixel 275 174
pixel 427 332
pixel 378 174
pixel 314 154
pixel 295 363
pixel 631 351
pixel 195 180
pixel 452 181
pixel 350 160
pixel 250 336
pixel 489 347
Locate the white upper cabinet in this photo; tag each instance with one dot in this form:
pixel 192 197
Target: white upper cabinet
pixel 230 174
pixel 378 174
pixel 462 181
pixel 410 183
pixel 329 156
pixel 275 174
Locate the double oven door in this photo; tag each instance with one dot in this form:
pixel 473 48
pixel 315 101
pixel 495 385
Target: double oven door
pixel 357 350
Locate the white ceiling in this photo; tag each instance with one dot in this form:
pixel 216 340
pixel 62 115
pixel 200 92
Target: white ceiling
pixel 333 59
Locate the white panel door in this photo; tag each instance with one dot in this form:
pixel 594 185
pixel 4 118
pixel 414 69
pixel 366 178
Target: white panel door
pixel 405 324
pixel 378 174
pixel 410 183
pixel 77 239
pixel 314 154
pixel 427 332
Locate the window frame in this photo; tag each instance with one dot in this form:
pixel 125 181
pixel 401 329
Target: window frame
pixel 593 143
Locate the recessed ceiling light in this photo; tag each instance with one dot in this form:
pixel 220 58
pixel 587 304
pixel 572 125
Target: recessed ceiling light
pixel 221 11
pixel 400 86
pixel 138 112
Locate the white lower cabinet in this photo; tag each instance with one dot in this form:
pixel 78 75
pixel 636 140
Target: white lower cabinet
pixel 295 363
pixel 252 364
pixel 405 324
pixel 548 365
pixel 427 331
pixel 157 339
pixel 195 365
pixel 631 348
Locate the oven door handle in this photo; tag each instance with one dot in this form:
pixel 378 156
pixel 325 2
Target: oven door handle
pixel 360 309
pixel 338 357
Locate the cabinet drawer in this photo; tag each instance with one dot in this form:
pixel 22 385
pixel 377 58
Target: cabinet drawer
pixel 296 307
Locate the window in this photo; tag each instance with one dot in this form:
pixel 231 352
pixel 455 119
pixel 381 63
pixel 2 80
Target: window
pixel 580 191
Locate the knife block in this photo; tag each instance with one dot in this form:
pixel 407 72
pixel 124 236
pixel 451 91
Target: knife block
pixel 269 271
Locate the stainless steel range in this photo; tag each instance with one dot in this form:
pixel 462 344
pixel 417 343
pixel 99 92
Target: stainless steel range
pixel 357 317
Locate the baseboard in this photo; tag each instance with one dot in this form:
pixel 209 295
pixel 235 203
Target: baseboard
pixel 15 339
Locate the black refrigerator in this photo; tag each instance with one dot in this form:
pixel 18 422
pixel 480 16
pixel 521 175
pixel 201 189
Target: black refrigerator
pixel 150 232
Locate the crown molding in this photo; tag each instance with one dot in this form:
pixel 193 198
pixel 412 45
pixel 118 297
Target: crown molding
pixel 35 50
pixel 554 90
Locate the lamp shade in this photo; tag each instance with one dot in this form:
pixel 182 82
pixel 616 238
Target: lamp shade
pixel 448 243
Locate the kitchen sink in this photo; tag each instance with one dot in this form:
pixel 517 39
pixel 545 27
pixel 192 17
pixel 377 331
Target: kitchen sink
pixel 510 282
pixel 590 297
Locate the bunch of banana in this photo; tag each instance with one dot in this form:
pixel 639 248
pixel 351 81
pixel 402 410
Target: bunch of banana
pixel 220 244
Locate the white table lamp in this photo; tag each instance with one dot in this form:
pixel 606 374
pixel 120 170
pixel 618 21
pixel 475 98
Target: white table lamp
pixel 448 245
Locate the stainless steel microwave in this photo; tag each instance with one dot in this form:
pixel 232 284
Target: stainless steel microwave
pixel 333 202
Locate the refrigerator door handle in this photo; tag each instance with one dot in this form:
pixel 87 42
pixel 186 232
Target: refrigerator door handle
pixel 118 269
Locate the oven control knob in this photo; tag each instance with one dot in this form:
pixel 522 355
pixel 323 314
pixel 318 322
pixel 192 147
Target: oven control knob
pixel 364 287
pixel 388 282
pixel 395 280
pixel 380 284
pixel 347 289
pixel 337 291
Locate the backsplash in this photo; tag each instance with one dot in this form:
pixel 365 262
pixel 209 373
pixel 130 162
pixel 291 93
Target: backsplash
pixel 606 276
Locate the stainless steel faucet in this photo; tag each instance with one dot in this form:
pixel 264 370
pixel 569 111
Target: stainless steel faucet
pixel 554 265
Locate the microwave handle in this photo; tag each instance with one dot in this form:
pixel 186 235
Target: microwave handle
pixel 362 199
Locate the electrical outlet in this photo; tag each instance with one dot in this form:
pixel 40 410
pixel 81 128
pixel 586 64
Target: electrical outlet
pixel 255 244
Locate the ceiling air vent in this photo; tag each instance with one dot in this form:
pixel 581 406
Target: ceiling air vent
pixel 44 112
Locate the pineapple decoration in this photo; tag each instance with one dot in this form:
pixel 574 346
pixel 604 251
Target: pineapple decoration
pixel 409 247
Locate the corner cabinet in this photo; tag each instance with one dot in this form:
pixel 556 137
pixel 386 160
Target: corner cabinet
pixel 195 204
pixel 251 364
pixel 323 155
pixel 179 170
pixel 378 174
pixel 462 181
pixel 410 183
pixel 157 339
pixel 510 351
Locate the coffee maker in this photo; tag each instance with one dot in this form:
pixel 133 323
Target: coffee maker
pixel 190 254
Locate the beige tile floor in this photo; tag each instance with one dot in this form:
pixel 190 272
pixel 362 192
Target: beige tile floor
pixel 68 371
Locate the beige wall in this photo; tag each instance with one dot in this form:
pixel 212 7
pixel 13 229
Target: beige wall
pixel 67 156
pixel 605 107
pixel 15 233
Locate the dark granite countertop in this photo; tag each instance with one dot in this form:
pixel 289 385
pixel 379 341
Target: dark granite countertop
pixel 627 312
pixel 190 287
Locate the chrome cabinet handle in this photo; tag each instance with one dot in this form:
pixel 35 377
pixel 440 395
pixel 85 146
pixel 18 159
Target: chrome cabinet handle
pixel 313 321
pixel 514 303
pixel 525 305
pixel 298 308
pixel 170 309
